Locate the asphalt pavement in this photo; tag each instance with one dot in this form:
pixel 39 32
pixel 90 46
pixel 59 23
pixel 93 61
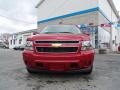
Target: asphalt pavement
pixel 13 75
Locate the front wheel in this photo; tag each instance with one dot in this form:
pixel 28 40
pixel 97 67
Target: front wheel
pixel 31 71
pixel 89 71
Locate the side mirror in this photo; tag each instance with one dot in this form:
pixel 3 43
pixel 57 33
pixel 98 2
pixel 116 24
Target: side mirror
pixel 35 33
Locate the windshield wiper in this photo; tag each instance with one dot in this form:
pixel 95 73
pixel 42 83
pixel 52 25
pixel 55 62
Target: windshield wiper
pixel 49 32
pixel 57 32
pixel 65 32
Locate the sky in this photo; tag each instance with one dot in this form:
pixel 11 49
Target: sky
pixel 117 4
pixel 20 15
pixel 17 15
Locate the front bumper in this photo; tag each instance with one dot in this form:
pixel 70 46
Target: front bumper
pixel 59 62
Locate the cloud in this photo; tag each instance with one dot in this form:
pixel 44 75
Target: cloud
pixel 10 26
pixel 17 15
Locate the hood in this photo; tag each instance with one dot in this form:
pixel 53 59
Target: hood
pixel 42 37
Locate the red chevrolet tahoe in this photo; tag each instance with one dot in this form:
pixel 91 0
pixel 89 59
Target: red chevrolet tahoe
pixel 59 48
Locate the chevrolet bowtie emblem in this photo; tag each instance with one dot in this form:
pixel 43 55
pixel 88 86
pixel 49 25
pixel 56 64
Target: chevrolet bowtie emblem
pixel 56 45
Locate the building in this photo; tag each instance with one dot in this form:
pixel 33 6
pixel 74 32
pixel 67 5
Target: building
pixel 96 16
pixel 19 39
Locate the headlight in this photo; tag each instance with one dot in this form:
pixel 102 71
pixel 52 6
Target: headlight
pixel 86 45
pixel 29 45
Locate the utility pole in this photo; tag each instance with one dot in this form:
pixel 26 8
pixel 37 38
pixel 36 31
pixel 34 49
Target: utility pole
pixel 111 41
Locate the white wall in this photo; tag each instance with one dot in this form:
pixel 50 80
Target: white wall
pixel 75 20
pixel 53 8
pixel 25 36
pixel 18 37
pixel 104 35
pixel 109 13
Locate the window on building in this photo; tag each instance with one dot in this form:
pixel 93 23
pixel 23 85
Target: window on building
pixel 11 42
pixel 20 41
pixel 14 41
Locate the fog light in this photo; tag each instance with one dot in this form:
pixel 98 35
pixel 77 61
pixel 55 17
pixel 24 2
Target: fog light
pixel 74 66
pixel 39 65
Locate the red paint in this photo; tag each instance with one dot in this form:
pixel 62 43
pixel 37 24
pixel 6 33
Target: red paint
pixel 66 61
pixel 106 25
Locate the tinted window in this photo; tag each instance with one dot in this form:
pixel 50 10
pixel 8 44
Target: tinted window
pixel 61 29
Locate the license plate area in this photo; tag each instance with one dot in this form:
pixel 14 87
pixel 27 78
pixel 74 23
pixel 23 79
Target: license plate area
pixel 56 67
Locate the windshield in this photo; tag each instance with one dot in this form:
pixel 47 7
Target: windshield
pixel 70 29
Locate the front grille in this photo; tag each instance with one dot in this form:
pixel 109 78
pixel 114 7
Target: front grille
pixel 58 50
pixel 38 42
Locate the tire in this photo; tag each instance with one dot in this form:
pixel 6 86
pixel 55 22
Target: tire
pixel 31 71
pixel 89 71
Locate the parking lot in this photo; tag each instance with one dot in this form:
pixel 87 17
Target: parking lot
pixel 13 75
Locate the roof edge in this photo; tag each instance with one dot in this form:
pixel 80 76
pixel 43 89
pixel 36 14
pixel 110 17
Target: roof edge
pixel 112 5
pixel 27 31
pixel 39 3
pixel 69 15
